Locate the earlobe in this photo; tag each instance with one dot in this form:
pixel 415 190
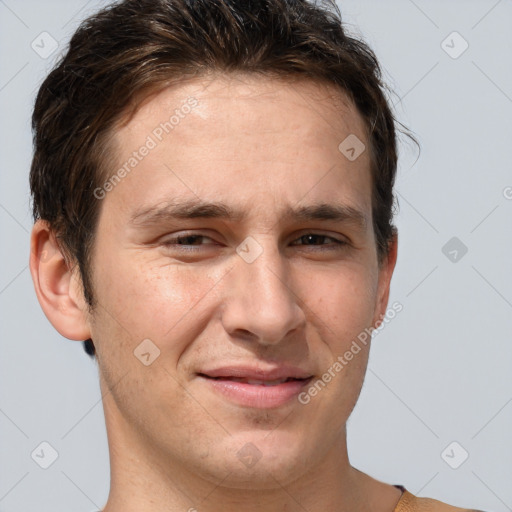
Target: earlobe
pixel 57 285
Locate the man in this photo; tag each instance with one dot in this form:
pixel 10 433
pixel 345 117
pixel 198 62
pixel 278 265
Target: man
pixel 213 192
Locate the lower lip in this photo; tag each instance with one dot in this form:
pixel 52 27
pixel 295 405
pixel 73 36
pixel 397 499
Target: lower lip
pixel 259 396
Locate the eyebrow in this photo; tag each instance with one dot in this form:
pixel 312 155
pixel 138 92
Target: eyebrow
pixel 197 209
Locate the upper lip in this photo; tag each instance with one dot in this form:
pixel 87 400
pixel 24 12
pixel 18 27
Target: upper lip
pixel 257 373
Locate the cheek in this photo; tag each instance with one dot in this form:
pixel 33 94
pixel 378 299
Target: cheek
pixel 168 305
pixel 145 299
pixel 343 300
pixel 340 304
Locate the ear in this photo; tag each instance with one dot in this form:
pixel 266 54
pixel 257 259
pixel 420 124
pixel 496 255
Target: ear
pixel 386 269
pixel 58 285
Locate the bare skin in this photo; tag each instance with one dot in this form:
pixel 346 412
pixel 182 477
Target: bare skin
pixel 259 146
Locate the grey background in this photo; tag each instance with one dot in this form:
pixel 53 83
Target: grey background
pixel 439 372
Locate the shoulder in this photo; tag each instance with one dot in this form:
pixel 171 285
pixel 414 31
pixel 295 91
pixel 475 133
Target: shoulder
pixel 410 503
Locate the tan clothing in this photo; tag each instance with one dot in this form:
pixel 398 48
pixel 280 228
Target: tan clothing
pixel 410 503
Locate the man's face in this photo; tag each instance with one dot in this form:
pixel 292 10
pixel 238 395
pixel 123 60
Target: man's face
pixel 238 295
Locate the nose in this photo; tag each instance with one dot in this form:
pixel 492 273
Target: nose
pixel 260 302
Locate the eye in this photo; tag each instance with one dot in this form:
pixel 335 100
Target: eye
pixel 193 242
pixel 319 238
pixel 185 240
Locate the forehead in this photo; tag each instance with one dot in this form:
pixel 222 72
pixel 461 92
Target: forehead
pixel 248 139
pixel 226 95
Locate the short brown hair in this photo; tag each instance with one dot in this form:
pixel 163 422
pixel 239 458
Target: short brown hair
pixel 133 48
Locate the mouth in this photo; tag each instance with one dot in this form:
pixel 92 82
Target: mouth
pixel 255 382
pixel 262 393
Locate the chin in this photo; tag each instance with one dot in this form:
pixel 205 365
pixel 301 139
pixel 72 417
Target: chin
pixel 258 460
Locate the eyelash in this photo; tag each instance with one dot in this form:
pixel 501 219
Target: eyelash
pixel 189 247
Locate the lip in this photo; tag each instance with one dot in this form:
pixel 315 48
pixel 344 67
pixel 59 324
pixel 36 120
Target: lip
pixel 256 395
pixel 258 373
